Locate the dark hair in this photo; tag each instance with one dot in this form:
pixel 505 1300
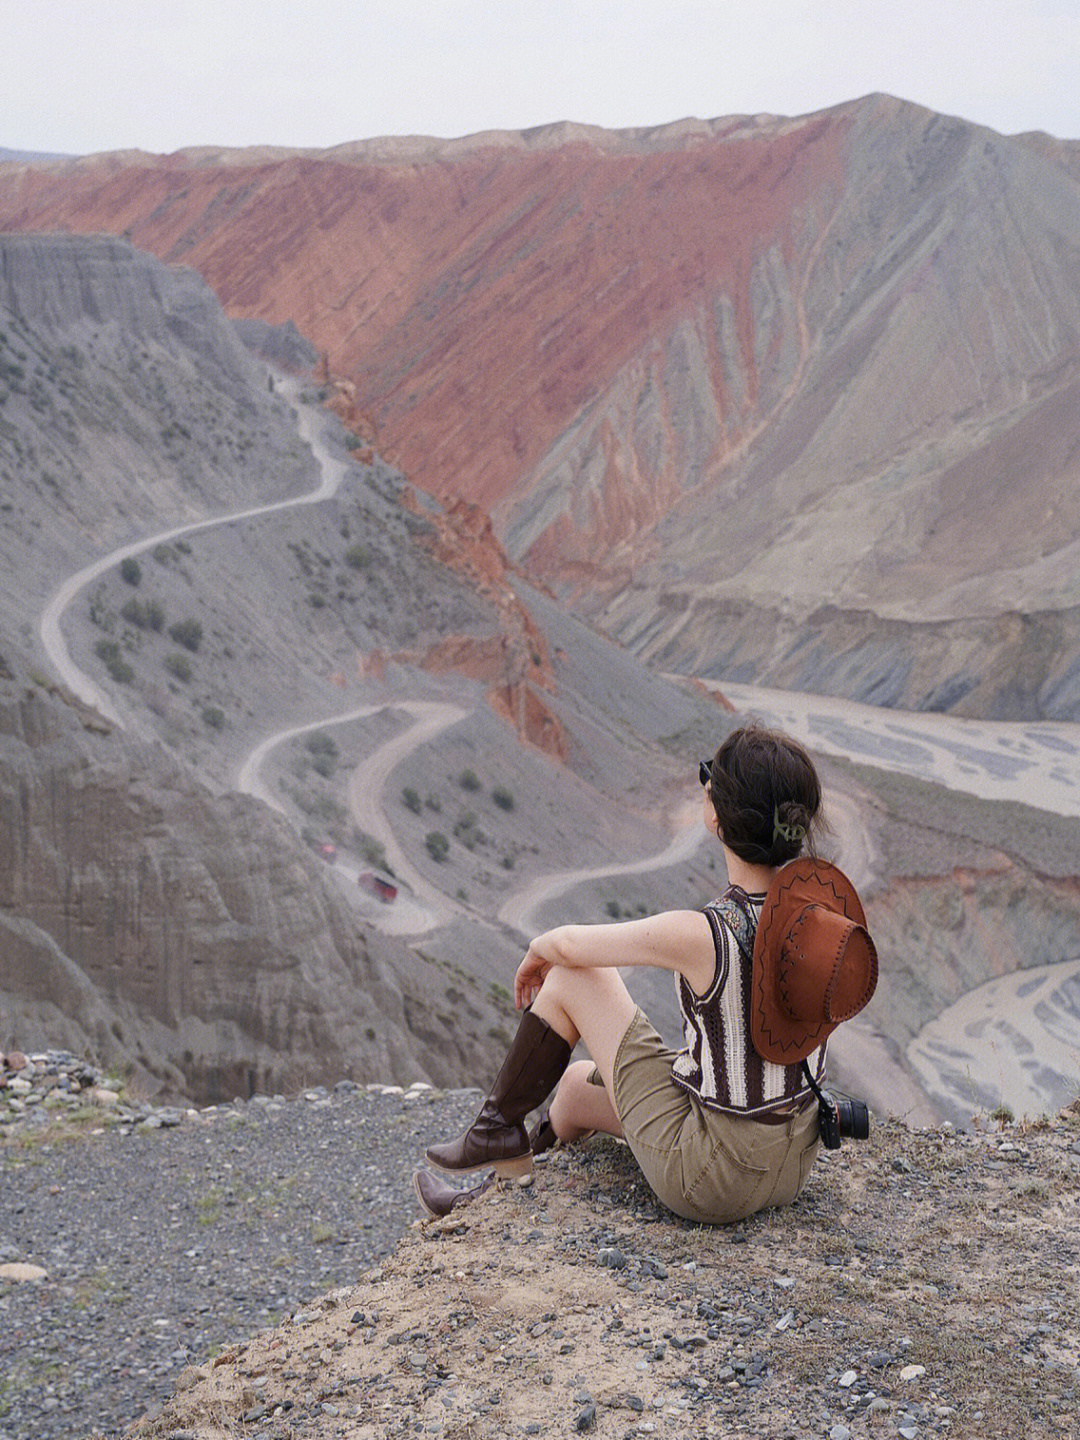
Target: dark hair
pixel 763 784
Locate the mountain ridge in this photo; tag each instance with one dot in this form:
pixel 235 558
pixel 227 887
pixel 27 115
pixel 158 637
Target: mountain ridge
pixel 831 338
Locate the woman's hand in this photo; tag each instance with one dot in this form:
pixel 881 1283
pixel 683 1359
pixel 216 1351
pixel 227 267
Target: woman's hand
pixel 530 976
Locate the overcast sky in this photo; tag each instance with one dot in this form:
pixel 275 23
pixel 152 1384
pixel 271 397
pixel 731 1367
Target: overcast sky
pixel 78 76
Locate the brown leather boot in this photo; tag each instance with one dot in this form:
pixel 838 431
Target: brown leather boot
pixel 497 1137
pixel 542 1136
pixel 438 1197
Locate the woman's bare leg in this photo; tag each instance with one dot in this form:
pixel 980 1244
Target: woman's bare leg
pixel 593 1006
pixel 580 1108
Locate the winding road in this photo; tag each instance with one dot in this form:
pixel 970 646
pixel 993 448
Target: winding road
pixel 424 906
pixel 521 911
pixel 332 472
pixel 420 906
pixel 855 853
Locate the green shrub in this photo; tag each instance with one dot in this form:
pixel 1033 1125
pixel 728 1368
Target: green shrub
pixel 187 633
pixel 324 753
pixel 179 666
pixel 214 717
pixel 438 846
pixel 469 780
pixel 109 652
pixel 411 800
pixel 372 851
pixel 130 570
pixel 148 615
pixel 502 797
pixel 468 831
pixel 358 557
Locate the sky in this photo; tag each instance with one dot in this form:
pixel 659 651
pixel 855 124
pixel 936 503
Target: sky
pixel 83 76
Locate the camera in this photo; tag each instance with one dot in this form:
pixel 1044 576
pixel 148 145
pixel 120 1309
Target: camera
pixel 840 1116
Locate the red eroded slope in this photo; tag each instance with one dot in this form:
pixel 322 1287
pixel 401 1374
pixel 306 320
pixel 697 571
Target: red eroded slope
pixel 477 304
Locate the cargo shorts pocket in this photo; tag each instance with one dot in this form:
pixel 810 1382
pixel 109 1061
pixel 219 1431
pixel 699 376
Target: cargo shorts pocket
pixel 727 1188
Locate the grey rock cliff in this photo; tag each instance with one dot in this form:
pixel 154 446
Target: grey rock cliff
pixel 152 924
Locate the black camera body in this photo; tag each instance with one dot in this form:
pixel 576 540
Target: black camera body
pixel 840 1116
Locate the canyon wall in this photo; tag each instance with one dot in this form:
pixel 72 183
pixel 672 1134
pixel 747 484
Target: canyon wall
pixel 186 937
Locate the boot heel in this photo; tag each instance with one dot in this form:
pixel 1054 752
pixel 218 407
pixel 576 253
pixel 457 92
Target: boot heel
pixel 514 1169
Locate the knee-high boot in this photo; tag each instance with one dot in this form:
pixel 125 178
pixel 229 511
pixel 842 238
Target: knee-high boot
pixel 533 1066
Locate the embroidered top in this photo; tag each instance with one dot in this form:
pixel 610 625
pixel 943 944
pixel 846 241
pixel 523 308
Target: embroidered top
pixel 720 1065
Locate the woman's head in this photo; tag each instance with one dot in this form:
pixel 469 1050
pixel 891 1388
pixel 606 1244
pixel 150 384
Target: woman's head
pixel 766 795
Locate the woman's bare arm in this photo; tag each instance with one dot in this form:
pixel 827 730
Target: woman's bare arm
pixel 677 940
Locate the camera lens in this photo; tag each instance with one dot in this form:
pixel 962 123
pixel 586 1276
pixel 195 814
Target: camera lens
pixel 853 1116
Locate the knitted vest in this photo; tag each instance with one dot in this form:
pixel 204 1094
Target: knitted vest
pixel 719 1064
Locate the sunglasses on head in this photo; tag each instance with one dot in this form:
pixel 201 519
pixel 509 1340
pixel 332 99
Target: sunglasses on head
pixel 705 771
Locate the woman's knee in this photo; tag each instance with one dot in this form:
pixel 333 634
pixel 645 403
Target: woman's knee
pixel 581 992
pixel 569 1088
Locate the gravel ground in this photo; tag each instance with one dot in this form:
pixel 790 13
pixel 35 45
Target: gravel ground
pixel 923 1286
pixel 257 1269
pixel 164 1241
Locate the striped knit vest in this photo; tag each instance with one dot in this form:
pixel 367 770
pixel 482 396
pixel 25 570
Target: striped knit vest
pixel 719 1064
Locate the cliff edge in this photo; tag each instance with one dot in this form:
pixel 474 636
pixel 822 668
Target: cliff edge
pixel 925 1283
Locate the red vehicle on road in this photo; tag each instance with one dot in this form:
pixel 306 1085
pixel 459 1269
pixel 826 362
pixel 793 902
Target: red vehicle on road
pixel 377 885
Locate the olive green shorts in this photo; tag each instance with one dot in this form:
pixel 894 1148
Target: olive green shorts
pixel 704 1164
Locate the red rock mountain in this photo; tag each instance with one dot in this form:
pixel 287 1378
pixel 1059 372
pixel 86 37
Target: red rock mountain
pixel 790 399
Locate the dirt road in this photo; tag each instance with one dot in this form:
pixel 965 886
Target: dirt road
pixel 52 638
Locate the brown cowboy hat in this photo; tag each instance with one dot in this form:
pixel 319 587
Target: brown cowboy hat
pixel 814 962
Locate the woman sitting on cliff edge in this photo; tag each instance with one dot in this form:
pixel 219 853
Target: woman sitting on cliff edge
pixel 728 1125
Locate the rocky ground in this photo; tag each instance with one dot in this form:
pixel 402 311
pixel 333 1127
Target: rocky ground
pixel 136 1239
pixel 924 1284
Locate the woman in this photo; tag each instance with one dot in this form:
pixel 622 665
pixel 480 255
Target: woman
pixel 718 1132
